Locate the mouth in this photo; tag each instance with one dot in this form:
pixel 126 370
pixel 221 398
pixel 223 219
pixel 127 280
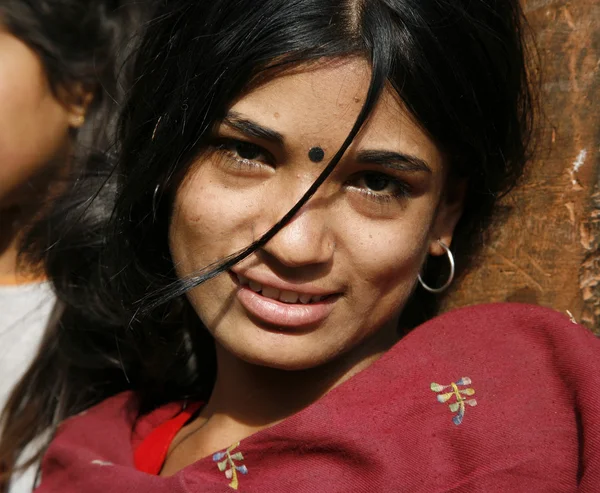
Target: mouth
pixel 281 307
pixel 284 296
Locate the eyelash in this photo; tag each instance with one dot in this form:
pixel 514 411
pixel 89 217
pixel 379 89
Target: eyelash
pixel 230 148
pixel 403 190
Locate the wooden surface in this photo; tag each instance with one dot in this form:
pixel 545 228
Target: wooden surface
pixel 548 250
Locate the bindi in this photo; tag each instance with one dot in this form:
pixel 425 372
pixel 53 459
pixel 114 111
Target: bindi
pixel 316 154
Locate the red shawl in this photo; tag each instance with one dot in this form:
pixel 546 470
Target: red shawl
pixel 494 398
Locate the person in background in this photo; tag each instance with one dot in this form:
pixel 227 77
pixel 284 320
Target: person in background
pixel 297 184
pixel 61 79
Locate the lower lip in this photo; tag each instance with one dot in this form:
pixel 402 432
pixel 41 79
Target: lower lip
pixel 281 314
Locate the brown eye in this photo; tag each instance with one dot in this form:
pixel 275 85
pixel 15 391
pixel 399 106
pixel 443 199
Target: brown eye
pixel 245 150
pixel 379 186
pixel 376 182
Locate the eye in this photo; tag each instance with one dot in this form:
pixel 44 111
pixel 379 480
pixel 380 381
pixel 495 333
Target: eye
pixel 245 154
pixel 379 186
pixel 245 150
pixel 377 182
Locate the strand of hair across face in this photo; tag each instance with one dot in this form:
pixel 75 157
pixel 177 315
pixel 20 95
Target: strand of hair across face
pixel 381 63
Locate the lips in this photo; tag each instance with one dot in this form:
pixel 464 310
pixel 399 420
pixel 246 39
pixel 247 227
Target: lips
pixel 285 296
pixel 283 307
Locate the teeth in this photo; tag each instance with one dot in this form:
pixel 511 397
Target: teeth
pixel 269 292
pixel 275 294
pixel 254 286
pixel 289 297
pixel 305 298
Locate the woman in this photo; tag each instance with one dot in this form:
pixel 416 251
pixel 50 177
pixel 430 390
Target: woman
pixel 294 177
pixel 61 73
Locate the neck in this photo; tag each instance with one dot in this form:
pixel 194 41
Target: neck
pixel 257 397
pixel 26 203
pixel 13 222
pixel 247 398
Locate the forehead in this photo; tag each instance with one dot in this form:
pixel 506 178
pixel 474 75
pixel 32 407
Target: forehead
pixel 317 104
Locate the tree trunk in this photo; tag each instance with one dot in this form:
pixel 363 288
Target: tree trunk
pixel 548 250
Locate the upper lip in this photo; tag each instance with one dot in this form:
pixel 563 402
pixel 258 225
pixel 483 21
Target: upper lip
pixel 270 280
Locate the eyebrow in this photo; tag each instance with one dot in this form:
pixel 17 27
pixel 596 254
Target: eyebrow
pixel 252 129
pixel 388 159
pixel 394 160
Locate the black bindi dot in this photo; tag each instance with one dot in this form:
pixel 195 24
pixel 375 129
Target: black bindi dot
pixel 316 154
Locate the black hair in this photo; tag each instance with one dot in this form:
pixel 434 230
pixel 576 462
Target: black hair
pixel 79 42
pixel 459 66
pixel 82 45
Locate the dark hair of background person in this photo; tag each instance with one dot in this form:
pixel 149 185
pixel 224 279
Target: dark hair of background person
pixel 82 44
pixel 459 67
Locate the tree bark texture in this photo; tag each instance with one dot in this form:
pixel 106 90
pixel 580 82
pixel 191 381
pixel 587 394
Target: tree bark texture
pixel 548 249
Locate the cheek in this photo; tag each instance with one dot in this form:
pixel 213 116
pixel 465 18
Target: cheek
pixel 386 264
pixel 386 258
pixel 34 128
pixel 211 221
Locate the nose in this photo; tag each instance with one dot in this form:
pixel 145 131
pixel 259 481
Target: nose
pixel 306 240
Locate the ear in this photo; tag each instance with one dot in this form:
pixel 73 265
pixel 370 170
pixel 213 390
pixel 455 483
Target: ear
pixel 449 212
pixel 76 99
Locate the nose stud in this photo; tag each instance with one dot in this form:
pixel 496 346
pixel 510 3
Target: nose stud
pixel 316 154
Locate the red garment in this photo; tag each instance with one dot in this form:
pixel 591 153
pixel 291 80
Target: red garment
pixel 513 407
pixel 149 456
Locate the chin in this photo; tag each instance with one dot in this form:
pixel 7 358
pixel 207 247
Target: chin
pixel 288 365
pixel 288 362
pixel 289 356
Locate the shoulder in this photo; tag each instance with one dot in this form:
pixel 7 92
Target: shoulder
pixel 500 397
pixel 103 423
pixel 514 385
pixel 505 340
pixel 95 449
pixel 497 324
pixel 27 303
pixel 504 315
pixel 119 414
pixel 509 350
pixel 116 420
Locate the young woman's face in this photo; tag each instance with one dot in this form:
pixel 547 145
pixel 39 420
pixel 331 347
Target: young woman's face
pixel 341 271
pixel 33 124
